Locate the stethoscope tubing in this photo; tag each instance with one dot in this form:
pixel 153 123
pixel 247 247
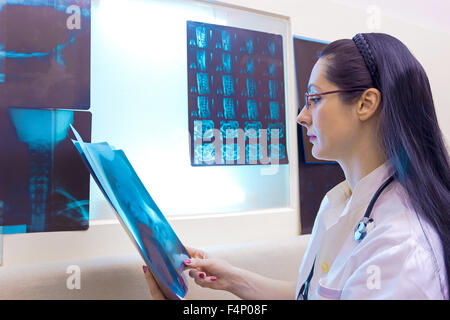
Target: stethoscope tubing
pixel 305 287
pixel 376 195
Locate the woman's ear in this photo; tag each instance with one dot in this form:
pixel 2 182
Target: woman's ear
pixel 368 104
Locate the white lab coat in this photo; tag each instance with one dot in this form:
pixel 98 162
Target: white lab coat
pixel 400 258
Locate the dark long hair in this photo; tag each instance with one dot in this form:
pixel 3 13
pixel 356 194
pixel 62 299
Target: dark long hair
pixel 408 127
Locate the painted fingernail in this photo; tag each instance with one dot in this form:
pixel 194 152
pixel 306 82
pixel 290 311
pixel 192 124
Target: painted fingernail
pixel 201 275
pixel 187 261
pixel 213 278
pixel 144 268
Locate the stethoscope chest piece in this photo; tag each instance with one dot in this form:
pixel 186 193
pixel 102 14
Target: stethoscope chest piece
pixel 364 226
pixel 361 230
pixel 367 223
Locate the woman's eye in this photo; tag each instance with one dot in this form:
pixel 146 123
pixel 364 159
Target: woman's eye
pixel 316 100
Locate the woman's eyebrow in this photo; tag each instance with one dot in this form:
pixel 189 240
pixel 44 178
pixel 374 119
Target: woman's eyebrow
pixel 313 85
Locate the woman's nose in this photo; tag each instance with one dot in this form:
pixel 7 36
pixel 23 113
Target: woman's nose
pixel 304 117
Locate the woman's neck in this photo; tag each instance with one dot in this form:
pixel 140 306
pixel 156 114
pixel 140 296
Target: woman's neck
pixel 359 165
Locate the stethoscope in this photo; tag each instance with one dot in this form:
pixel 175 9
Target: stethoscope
pixel 359 235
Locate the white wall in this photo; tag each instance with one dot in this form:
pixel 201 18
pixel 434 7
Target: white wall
pixel 423 26
pixel 325 20
pixel 139 104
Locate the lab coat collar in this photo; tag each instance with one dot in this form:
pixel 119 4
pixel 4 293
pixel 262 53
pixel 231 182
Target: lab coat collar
pixel 368 185
pixel 340 195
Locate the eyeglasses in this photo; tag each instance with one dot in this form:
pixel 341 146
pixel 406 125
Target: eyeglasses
pixel 309 97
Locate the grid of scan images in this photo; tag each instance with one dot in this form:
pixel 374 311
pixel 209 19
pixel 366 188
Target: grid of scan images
pixel 236 99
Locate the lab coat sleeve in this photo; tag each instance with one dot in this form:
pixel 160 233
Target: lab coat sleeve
pixel 399 271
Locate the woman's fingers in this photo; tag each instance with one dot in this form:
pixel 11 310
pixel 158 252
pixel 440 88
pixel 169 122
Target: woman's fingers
pixel 199 272
pixel 155 291
pixel 196 263
pixel 202 279
pixel 200 275
pixel 196 253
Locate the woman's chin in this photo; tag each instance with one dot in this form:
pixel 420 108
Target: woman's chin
pixel 315 152
pixel 320 155
pixel 316 156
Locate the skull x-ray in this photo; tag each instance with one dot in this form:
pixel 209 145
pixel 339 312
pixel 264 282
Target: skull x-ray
pixel 45 53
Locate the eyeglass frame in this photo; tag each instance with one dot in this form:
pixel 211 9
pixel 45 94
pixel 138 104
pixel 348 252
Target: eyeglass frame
pixel 307 95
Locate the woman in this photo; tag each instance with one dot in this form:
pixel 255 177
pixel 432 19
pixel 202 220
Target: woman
pixel 369 108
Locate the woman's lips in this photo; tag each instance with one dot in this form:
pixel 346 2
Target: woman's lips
pixel 312 138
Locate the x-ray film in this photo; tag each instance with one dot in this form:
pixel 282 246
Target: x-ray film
pixel 143 221
pixel 235 83
pixel 44 185
pixel 45 53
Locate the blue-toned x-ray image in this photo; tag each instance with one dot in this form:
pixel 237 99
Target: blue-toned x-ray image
pixel 236 82
pixel 229 108
pixel 201 60
pixel 205 153
pixel 45 53
pixel 202 83
pixel 277 151
pixel 203 107
pixel 254 153
pixel 45 184
pixel 273 89
pixel 252 107
pixel 274 107
pixel 229 129
pixel 203 129
pixel 276 130
pixel 143 221
pixel 253 129
pixel 228 85
pixel 226 59
pixel 251 88
pixel 250 64
pixel 231 152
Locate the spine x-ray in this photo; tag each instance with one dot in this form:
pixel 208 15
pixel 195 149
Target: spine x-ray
pixel 236 100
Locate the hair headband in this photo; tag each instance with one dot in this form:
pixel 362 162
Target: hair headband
pixel 369 59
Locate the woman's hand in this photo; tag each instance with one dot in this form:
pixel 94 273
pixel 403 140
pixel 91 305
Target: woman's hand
pixel 155 291
pixel 209 272
pixel 218 274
